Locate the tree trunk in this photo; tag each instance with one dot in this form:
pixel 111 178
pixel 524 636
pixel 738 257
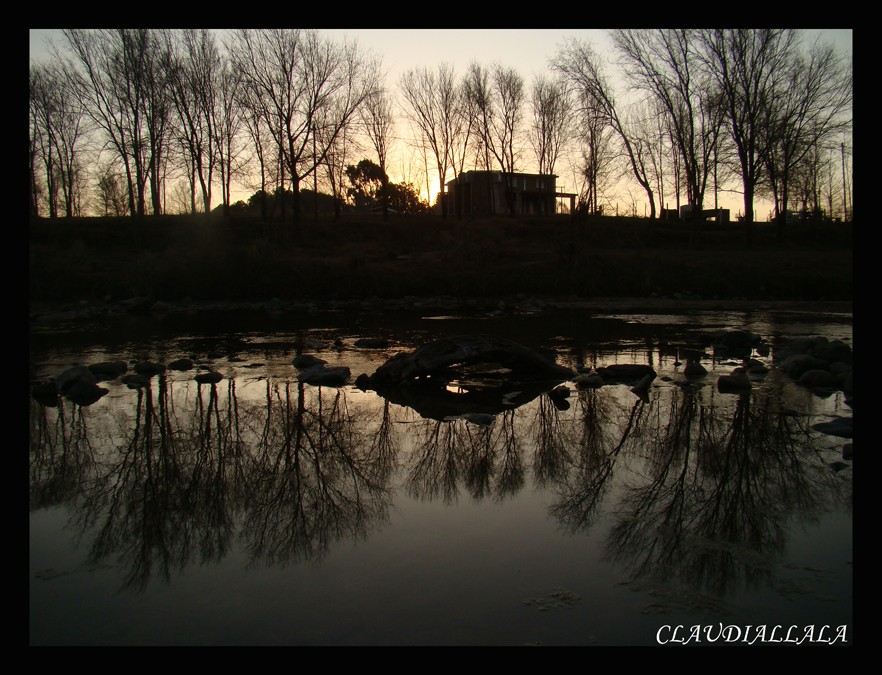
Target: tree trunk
pixel 441 194
pixel 131 189
pixel 295 199
pixel 32 185
pixel 748 213
pixel 155 191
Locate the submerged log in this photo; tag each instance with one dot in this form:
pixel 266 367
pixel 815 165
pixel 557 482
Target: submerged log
pixel 487 355
pixel 465 375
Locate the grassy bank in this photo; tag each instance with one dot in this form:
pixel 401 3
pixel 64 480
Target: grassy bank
pixel 175 257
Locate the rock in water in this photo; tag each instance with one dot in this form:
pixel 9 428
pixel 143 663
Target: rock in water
pixel 149 368
pixel 320 376
pixel 210 377
pixel 305 361
pixel 108 370
pixel 135 381
pixel 85 393
pixel 72 376
pixel 737 383
pixel 467 375
pixel 694 370
pixel 181 364
pixel 372 343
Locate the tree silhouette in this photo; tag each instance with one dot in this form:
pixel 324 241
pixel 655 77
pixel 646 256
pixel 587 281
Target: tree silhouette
pixel 597 107
pixel 379 123
pixel 432 104
pixel 745 65
pixel 308 89
pixel 813 93
pixel 367 180
pixel 121 77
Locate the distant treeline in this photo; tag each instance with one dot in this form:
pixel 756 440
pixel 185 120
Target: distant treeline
pixel 365 195
pixel 156 121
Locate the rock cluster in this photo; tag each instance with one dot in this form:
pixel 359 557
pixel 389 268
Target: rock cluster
pixel 819 364
pixel 78 384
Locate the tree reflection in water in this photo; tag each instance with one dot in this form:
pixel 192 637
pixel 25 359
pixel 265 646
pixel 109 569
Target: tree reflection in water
pixel 714 491
pixel 487 460
pixel 138 503
pixel 435 464
pixel 701 486
pixel 296 472
pixel 598 441
pixel 62 458
pixel 550 458
pixel 321 478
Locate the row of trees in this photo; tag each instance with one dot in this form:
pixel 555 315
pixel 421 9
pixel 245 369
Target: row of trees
pixel 161 105
pixel 368 188
pixel 284 108
pixel 752 104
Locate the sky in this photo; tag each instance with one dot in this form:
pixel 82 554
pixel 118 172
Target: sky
pixel 528 51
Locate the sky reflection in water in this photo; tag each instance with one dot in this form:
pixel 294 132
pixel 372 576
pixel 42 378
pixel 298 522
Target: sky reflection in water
pixel 264 511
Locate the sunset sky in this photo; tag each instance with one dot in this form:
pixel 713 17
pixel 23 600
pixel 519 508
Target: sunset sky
pixel 528 51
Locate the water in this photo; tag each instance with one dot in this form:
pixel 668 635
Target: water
pixel 263 511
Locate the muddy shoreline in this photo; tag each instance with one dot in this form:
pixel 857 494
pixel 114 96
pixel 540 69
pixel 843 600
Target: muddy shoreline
pixel 48 313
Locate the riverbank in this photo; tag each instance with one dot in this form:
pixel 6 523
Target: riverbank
pixel 190 260
pixel 48 316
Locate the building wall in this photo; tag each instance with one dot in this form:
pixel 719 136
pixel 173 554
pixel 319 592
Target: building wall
pixel 482 193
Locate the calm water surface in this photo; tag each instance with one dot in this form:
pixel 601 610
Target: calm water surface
pixel 264 511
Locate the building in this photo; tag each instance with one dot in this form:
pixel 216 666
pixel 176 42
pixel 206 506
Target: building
pixel 489 193
pixel 689 212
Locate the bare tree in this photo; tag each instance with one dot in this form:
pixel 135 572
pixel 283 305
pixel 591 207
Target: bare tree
pixel 478 104
pixel 254 117
pixel 378 122
pixel 58 133
pixel 157 111
pixel 464 145
pixel 551 109
pixel 598 158
pixel 34 131
pixel 812 183
pixel 431 103
pixel 302 80
pixel 111 191
pixel 337 158
pixel 118 77
pixel 43 93
pixel 655 133
pixel 194 79
pixel 496 99
pixel 227 125
pixel 811 106
pixel 666 63
pixel 579 63
pixel 745 64
pixel 509 89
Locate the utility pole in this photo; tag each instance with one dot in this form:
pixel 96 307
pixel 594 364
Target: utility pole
pixel 315 183
pixel 830 189
pixel 844 191
pixel 716 206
